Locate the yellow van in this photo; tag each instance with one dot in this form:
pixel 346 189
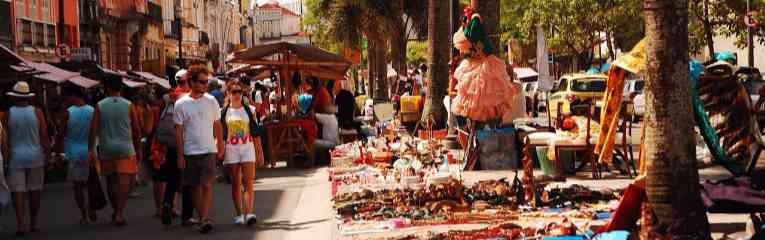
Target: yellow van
pixel 576 92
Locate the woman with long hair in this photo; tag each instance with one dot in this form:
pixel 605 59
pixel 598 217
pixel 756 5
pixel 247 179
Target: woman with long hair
pixel 240 159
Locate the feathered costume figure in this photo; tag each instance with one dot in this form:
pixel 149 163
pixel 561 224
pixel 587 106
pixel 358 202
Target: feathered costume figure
pixel 484 89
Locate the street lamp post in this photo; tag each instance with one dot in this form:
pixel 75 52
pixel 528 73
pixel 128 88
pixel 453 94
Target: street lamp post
pixel 178 20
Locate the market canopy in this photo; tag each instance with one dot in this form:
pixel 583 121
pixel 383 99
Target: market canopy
pixel 162 82
pixel 308 60
pixel 54 74
pixel 525 72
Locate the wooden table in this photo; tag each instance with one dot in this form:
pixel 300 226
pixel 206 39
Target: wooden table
pixel 289 137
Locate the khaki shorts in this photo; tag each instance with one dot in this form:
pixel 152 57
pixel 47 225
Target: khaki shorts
pixel 26 179
pixel 126 165
pixel 200 170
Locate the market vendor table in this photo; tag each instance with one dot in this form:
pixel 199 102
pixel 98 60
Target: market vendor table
pixel 289 137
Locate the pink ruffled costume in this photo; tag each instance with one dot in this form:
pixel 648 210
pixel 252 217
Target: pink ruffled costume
pixel 484 89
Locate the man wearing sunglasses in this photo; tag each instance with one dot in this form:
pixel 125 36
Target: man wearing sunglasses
pixel 199 140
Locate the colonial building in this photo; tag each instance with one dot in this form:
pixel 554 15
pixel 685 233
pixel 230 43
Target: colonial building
pixel 34 27
pixel 69 23
pixel 153 53
pixel 275 23
pixel 89 31
pixel 123 32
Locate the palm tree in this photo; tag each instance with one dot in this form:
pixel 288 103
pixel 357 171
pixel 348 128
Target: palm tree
pixel 352 20
pixel 672 181
pixel 439 42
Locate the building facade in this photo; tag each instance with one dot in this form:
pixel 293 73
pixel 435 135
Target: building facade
pixel 275 23
pixel 34 29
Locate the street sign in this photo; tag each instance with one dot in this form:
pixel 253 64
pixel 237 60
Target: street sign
pixel 63 51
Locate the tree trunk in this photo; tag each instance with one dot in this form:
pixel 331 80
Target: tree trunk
pixel 708 30
pixel 439 45
pixel 489 10
pixel 381 69
pixel 672 181
pixel 398 38
pixel 371 69
pixel 610 45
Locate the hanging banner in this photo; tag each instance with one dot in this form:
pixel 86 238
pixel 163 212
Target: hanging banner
pixel 543 66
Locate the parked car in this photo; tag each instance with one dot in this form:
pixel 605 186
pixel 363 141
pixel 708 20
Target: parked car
pixel 574 93
pixel 633 87
pixel 633 92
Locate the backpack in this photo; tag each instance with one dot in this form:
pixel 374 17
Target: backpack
pixel 256 129
pixel 166 127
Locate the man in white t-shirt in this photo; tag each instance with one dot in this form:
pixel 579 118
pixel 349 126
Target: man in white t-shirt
pixel 199 139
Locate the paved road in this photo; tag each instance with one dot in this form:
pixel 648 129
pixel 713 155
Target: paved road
pixel 288 202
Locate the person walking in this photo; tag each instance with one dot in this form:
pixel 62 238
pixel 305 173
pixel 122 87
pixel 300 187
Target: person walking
pixel 239 122
pixel 199 140
pixel 28 147
pixel 168 172
pixel 74 137
pixel 116 126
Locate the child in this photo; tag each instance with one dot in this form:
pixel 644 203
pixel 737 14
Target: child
pixel 75 138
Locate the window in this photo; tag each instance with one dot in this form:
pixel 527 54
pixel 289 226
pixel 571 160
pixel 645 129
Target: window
pixel 39 37
pixel 51 36
pixel 562 85
pixel 588 85
pixel 26 32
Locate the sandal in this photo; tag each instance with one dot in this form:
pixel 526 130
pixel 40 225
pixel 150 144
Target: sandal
pixel 206 226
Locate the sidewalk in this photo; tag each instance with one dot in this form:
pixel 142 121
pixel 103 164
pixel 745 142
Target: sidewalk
pixel 289 203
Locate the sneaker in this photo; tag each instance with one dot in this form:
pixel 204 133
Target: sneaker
pixel 239 220
pixel 251 219
pixel 190 222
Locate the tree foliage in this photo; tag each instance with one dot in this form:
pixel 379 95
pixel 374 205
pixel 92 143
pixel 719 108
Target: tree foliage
pixel 725 18
pixel 417 52
pixel 576 26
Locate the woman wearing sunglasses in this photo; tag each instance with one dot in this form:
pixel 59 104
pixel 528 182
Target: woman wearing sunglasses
pixel 239 123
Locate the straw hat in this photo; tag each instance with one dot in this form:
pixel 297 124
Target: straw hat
pixel 21 89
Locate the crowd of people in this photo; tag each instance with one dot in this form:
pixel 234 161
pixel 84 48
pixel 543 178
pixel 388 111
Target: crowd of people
pixel 180 139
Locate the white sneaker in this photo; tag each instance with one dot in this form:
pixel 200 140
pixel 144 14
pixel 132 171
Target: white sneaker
pixel 239 220
pixel 251 219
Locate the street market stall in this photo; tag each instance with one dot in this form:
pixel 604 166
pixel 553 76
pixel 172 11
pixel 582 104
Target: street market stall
pixel 287 133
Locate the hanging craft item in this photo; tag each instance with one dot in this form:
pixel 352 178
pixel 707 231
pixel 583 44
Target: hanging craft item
pixel 729 110
pixel 633 62
pixel 483 88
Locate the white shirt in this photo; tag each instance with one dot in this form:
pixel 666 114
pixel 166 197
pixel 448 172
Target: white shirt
pixel 197 117
pixel 329 127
